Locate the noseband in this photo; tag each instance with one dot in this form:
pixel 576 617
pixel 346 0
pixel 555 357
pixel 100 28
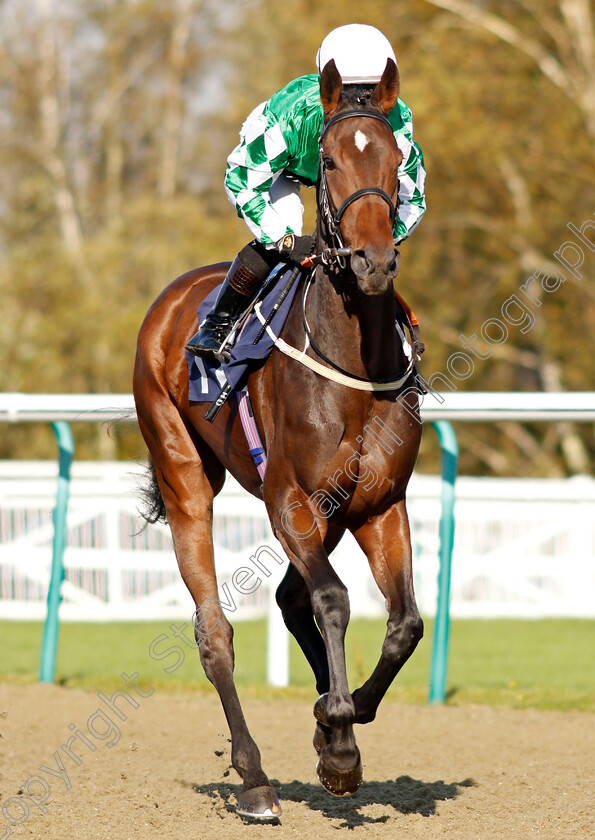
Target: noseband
pixel 331 215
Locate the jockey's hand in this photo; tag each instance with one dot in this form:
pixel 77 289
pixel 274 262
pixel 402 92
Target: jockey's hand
pixel 294 248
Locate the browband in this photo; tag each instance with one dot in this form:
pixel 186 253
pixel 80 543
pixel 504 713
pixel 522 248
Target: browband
pixel 353 113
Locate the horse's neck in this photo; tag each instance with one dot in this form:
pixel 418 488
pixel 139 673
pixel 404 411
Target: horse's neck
pixel 354 330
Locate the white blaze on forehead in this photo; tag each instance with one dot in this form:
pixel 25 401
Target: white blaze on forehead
pixel 361 141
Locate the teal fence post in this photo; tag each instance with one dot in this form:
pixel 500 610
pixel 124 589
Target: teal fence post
pixel 450 452
pixel 50 634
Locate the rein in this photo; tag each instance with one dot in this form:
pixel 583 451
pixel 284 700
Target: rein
pixel 348 379
pixel 388 380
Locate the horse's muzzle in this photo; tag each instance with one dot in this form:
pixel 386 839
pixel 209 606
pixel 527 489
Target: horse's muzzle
pixel 375 268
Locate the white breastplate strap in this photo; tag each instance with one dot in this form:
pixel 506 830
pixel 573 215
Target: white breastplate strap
pixel 329 373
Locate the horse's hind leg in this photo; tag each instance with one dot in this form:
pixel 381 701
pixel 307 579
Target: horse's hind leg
pixel 386 542
pixel 188 489
pixel 294 601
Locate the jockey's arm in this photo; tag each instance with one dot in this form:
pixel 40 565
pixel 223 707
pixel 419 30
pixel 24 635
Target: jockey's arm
pixel 253 167
pixel 412 199
pixel 412 173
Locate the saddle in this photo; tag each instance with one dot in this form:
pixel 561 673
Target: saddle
pixel 212 382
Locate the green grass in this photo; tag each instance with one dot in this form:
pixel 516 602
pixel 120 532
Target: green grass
pixel 545 664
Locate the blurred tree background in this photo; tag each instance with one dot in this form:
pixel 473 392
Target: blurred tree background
pixel 116 118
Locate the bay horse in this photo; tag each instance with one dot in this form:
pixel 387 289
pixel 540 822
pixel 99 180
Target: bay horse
pixel 311 428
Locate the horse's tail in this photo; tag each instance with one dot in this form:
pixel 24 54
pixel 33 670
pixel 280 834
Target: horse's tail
pixel 153 506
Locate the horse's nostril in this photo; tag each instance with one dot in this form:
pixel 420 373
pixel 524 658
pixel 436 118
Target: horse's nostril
pixel 361 258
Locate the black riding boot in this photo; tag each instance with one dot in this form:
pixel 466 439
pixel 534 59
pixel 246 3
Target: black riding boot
pixel 238 289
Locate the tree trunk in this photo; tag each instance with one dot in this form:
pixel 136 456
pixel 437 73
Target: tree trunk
pixel 172 122
pixel 49 147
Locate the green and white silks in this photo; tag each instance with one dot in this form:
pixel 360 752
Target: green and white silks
pixel 280 139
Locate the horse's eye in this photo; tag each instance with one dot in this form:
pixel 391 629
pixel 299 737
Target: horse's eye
pixel 328 163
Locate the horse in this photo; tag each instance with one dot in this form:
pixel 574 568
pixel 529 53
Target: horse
pixel 329 469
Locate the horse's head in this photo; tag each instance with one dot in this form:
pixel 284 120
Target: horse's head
pixel 360 159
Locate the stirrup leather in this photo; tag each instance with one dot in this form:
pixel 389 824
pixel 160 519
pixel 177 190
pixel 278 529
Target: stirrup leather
pixel 214 338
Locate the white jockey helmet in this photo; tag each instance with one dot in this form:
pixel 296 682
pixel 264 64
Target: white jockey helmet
pixel 360 53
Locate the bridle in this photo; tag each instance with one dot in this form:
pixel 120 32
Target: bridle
pixel 332 218
pixel 329 213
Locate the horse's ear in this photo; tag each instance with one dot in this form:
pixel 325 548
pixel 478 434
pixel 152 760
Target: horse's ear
pixel 386 92
pixel 331 88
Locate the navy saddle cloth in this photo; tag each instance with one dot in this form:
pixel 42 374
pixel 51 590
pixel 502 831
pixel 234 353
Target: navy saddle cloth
pixel 206 378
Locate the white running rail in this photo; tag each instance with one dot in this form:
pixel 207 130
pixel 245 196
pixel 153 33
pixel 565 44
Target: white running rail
pixel 523 547
pixel 468 406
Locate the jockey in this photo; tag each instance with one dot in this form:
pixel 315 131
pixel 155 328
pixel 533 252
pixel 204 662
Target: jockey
pixel 278 150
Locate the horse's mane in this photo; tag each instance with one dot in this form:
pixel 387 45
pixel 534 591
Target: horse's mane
pixel 357 95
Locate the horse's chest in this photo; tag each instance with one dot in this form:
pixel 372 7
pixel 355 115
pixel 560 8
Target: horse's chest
pixel 360 473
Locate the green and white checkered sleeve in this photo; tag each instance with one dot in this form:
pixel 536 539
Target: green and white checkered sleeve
pixel 252 169
pixel 412 179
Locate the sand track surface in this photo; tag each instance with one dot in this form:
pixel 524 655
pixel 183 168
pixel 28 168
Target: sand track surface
pixel 457 773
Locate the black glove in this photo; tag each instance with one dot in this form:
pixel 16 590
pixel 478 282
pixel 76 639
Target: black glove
pixel 294 248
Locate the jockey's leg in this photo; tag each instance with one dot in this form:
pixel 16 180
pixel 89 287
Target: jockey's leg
pixel 245 277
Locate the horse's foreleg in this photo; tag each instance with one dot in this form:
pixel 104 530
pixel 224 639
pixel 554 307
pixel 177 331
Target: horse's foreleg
pixel 386 542
pixel 293 598
pixel 294 601
pixel 188 496
pixel 339 765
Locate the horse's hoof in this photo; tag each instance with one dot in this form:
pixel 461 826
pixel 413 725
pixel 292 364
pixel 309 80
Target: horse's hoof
pixel 340 782
pixel 259 803
pixel 321 739
pixel 320 709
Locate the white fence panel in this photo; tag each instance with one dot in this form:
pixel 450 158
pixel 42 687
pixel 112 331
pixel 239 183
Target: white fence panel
pixel 522 548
